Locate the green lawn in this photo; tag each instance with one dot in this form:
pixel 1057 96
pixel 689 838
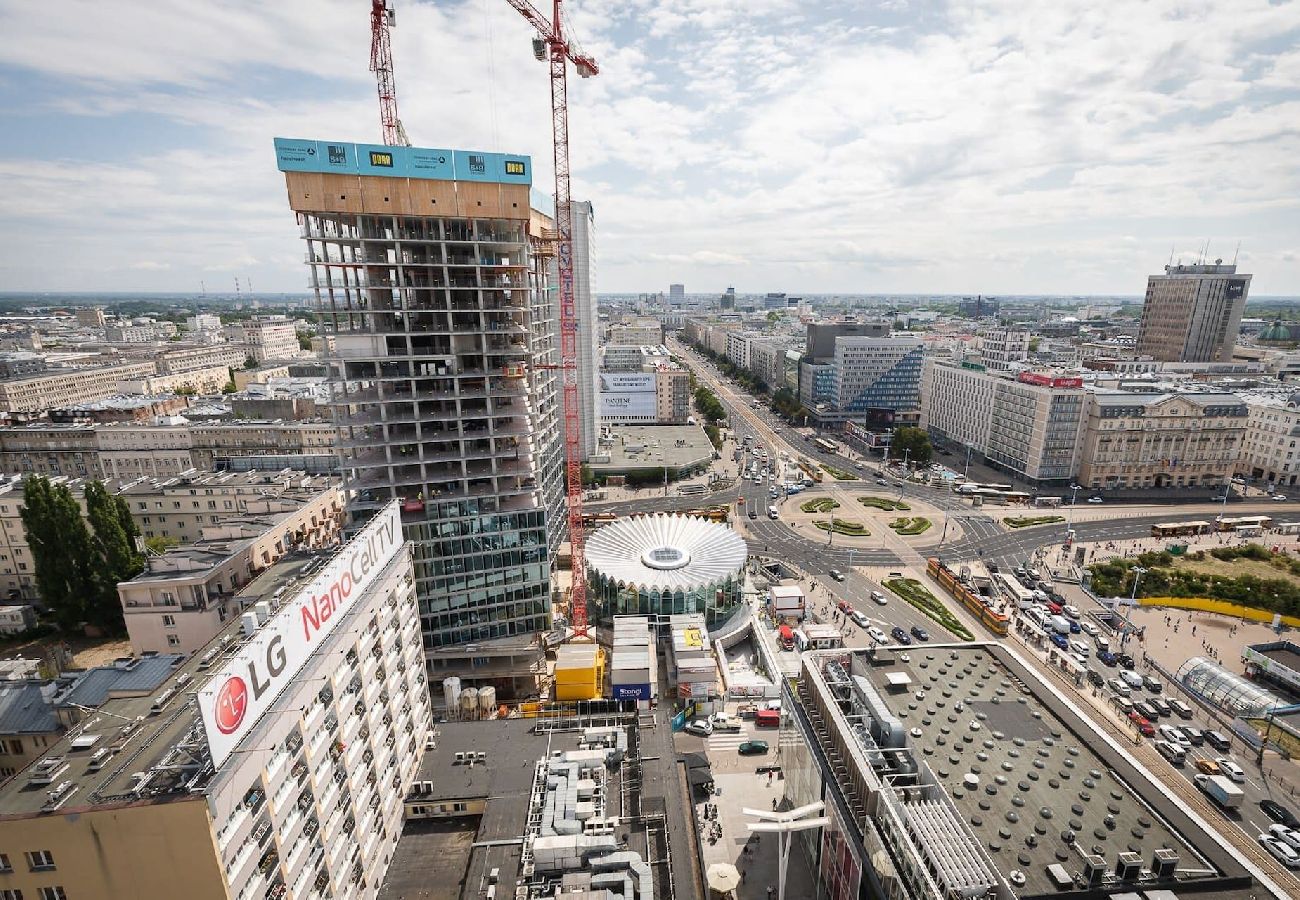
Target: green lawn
pixel 844 527
pixel 1031 521
pixel 839 474
pixel 884 503
pixel 913 525
pixel 819 505
pixel 919 596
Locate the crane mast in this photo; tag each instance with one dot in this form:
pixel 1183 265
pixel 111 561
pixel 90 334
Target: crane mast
pixel 552 45
pixel 382 18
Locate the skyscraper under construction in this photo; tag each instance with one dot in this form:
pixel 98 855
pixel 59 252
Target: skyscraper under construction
pixel 429 269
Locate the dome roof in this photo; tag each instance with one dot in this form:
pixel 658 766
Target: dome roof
pixel 665 551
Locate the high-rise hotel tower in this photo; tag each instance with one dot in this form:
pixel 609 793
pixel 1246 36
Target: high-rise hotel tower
pixel 429 271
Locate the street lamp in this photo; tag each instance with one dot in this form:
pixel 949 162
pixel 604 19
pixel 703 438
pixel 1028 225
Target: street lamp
pixel 966 471
pixel 1069 517
pixel 1138 572
pixel 785 824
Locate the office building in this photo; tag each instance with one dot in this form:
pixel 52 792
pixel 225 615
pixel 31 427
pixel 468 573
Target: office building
pixel 634 357
pixel 1028 425
pixel 767 362
pixel 90 317
pixel 1192 313
pixel 268 339
pixel 676 294
pixel 1269 454
pixel 1040 803
pixel 641 332
pixel 203 322
pixel 584 300
pixel 285 779
pixel 661 396
pixel 33 394
pixel 430 275
pixel 1004 348
pixel 977 307
pixel 728 300
pixel 875 373
pixel 1162 440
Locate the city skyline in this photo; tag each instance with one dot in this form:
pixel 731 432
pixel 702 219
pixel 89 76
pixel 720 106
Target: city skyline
pixel 967 164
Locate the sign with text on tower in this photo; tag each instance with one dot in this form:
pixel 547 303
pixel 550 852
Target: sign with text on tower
pixel 254 677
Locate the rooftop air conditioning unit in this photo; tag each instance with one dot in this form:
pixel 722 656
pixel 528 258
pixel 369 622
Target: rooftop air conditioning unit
pixel 1164 863
pixel 1128 867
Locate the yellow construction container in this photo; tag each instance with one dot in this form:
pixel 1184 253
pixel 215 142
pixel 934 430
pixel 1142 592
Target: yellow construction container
pixel 579 672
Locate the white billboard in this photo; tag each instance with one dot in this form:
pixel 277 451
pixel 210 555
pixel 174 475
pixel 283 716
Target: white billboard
pixel 627 382
pixel 251 680
pixel 624 405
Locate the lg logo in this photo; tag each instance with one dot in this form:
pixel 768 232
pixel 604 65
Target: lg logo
pixel 232 703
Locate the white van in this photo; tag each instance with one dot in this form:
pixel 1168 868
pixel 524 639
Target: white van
pixel 772 513
pixel 1172 752
pixel 1103 645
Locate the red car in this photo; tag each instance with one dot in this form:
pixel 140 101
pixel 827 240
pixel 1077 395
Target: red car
pixel 1143 725
pixel 1055 608
pixel 844 606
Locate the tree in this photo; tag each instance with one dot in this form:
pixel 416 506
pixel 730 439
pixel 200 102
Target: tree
pixel 229 387
pixel 118 559
pixel 913 442
pixel 250 362
pixel 62 550
pixel 304 340
pixel 160 543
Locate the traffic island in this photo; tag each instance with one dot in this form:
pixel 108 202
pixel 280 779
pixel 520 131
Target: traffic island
pixel 884 503
pixel 911 525
pixel 920 597
pixel 844 527
pixel 819 505
pixel 839 474
pixel 1031 521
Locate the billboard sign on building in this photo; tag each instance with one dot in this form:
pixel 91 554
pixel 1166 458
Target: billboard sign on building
pixel 1041 380
pixel 627 382
pixel 632 691
pixel 343 158
pixel 236 697
pixel 624 404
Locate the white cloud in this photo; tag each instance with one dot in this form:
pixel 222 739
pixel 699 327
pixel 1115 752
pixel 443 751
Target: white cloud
pixel 996 146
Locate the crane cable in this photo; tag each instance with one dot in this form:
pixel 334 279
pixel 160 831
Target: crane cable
pixel 492 76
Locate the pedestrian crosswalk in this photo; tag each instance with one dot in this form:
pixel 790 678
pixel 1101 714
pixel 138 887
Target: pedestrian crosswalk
pixel 723 740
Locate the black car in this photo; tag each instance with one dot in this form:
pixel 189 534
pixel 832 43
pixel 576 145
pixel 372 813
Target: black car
pixel 920 633
pixel 1217 741
pixel 1279 813
pixel 753 515
pixel 1095 679
pixel 1127 661
pixel 900 635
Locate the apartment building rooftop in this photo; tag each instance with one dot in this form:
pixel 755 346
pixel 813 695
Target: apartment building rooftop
pixel 149 747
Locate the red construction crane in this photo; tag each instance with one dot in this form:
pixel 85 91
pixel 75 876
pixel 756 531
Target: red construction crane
pixel 383 17
pixel 551 43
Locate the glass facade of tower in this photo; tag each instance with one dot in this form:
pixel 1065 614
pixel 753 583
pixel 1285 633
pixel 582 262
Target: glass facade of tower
pixel 442 342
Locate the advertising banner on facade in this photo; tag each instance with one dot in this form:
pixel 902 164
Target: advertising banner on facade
pixel 622 405
pixel 627 382
pixel 343 158
pixel 251 680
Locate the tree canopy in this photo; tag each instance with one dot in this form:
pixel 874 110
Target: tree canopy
pixel 913 442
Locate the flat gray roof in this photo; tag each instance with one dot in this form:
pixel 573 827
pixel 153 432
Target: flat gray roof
pixel 659 447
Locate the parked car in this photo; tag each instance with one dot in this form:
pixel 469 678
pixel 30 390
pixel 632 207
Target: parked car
pixel 1279 813
pixel 900 636
pixel 1095 500
pixel 701 727
pixel 1145 707
pixel 1278 497
pixel 1088 628
pixel 1279 849
pixel 920 633
pixel 1131 678
pixel 1172 752
pixel 752 748
pixel 1095 679
pixel 1174 736
pixel 1070 610
pixel 1079 647
pixel 1194 736
pixel 1060 641
pixel 1143 725
pixel 1126 661
pixel 1159 703
pixel 1152 684
pixel 1108 658
pixel 1120 688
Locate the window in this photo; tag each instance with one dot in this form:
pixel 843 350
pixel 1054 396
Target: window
pixel 53 893
pixel 173 640
pixel 169 621
pixel 4 863
pixel 11 894
pixel 40 859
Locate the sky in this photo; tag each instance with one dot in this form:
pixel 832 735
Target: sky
pixel 992 146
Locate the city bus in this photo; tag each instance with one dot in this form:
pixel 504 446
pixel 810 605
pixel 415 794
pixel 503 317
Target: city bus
pixel 826 446
pixel 974 487
pixel 1234 523
pixel 1017 592
pixel 1180 529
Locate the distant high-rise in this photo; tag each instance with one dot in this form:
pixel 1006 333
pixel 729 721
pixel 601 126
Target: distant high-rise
pixel 1191 313
pixel 729 299
pixel 584 298
pixel 676 294
pixel 429 276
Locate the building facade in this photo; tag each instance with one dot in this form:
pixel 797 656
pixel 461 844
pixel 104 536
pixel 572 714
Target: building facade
pixel 1162 440
pixel 767 362
pixel 1269 453
pixel 434 289
pixel 269 339
pixel 672 396
pixel 876 373
pixel 1192 313
pixel 294 792
pixel 1003 348
pixel 66 387
pixel 584 298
